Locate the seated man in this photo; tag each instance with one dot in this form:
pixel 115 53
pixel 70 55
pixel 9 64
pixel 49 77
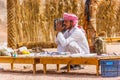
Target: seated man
pixel 73 40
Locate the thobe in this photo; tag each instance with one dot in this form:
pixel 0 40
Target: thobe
pixel 73 41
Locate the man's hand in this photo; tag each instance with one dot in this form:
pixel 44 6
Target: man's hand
pixel 59 27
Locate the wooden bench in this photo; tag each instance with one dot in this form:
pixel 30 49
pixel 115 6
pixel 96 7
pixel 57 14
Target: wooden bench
pixel 56 60
pixel 112 39
pixel 20 60
pixel 70 60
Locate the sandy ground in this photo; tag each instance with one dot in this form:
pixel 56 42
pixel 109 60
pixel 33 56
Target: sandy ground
pixel 21 73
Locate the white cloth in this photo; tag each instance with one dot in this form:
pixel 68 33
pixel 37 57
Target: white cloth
pixel 73 41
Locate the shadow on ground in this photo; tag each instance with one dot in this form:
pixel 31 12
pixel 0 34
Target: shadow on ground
pixel 51 72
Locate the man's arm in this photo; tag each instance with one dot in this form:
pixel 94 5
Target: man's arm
pixel 62 39
pixel 75 36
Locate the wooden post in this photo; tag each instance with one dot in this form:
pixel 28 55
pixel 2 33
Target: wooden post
pixel 90 21
pixel 68 67
pixel 11 24
pixel 97 69
pixel 87 20
pixel 11 66
pixel 34 68
pixel 58 67
pixel 44 68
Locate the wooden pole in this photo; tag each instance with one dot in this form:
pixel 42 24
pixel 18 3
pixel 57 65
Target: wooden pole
pixel 90 21
pixel 11 24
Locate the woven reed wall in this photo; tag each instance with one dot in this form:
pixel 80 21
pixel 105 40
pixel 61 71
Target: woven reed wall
pixel 30 22
pixel 108 17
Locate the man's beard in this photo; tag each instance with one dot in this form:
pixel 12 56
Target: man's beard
pixel 70 27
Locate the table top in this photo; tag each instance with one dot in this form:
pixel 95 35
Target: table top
pixel 63 57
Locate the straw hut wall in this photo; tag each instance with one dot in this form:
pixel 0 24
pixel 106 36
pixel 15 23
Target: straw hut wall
pixel 108 17
pixel 30 22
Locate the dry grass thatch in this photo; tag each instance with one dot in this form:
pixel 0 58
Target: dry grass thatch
pixel 108 17
pixel 33 19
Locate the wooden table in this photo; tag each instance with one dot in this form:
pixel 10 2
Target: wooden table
pixel 20 60
pixel 70 60
pixel 56 60
pixel 109 58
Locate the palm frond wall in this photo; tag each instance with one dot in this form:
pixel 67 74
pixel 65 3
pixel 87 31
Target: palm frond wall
pixel 30 22
pixel 33 20
pixel 108 18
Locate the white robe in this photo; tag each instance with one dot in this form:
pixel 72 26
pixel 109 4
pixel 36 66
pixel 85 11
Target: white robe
pixel 73 41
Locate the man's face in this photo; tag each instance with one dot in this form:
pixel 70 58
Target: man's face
pixel 68 24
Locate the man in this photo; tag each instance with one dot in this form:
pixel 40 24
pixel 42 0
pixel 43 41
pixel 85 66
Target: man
pixel 73 40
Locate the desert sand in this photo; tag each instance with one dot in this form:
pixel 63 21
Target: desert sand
pixel 24 72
